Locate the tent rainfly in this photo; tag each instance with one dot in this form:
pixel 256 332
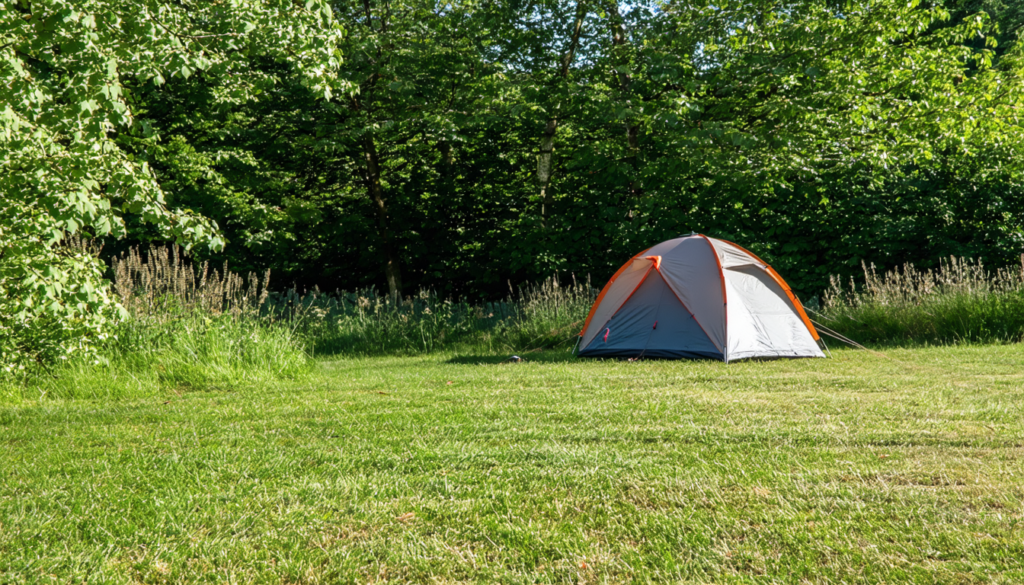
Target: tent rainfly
pixel 698 297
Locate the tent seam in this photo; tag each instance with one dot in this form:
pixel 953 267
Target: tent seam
pixel 607 287
pixel 692 314
pixel 657 310
pixel 626 300
pixel 725 298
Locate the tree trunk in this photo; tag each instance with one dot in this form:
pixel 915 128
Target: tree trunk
pixel 620 60
pixel 392 266
pixel 450 197
pixel 447 164
pixel 374 189
pixel 547 147
pixel 547 141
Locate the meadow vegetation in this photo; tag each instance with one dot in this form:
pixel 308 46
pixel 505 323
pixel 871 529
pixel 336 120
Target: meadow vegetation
pixel 346 145
pixel 188 325
pixel 959 302
pixel 193 422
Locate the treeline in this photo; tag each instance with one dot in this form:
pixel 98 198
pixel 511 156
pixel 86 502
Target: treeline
pixel 509 141
pixel 466 147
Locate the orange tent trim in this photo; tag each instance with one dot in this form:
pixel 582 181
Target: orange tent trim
pixel 604 290
pixel 654 267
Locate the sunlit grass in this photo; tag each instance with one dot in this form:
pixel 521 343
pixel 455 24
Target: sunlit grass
pixel 902 467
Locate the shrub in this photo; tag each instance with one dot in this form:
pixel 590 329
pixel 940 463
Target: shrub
pixel 53 304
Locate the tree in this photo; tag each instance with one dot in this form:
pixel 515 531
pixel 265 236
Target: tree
pixel 803 129
pixel 744 103
pixel 63 64
pixel 352 188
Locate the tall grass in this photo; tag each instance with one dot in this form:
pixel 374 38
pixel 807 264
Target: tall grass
pixel 186 327
pixel 165 284
pixel 543 316
pixel 197 326
pixel 961 301
pixel 190 326
pixel 186 308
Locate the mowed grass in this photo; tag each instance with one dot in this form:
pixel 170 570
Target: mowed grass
pixel 862 469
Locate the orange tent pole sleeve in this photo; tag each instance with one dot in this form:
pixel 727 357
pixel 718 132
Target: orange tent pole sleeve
pixel 725 299
pixel 792 297
pixel 604 291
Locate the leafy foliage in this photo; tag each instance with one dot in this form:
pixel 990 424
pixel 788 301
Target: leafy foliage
pixel 469 146
pixel 64 100
pixel 820 134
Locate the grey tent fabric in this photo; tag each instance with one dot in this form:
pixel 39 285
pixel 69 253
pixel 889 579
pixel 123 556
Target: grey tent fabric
pixel 710 298
pixel 690 269
pixel 653 323
pixel 629 278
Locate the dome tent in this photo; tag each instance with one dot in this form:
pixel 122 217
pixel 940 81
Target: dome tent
pixel 697 297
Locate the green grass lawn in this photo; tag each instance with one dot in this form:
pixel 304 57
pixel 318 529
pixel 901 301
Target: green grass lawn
pixel 860 469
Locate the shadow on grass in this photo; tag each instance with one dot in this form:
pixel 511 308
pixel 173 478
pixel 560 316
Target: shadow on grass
pixel 547 357
pixel 558 356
